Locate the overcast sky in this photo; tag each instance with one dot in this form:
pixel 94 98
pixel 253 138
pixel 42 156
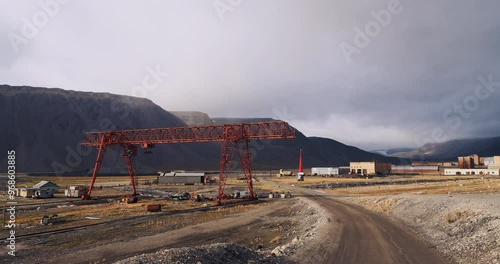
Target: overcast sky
pixel 337 69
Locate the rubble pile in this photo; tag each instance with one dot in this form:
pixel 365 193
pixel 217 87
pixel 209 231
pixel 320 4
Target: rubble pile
pixel 208 254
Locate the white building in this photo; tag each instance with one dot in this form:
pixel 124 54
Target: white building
pixel 329 171
pixel 181 178
pixel 495 165
pixel 489 161
pixel 471 172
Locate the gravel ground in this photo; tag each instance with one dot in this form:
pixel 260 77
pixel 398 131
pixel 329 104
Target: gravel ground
pixel 209 254
pixel 314 219
pixel 305 236
pixel 465 228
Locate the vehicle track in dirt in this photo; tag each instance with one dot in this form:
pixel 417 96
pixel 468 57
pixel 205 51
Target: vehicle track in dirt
pixel 366 237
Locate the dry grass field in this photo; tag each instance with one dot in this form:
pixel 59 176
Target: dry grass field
pixel 30 211
pixel 398 184
pixel 315 180
pixel 62 181
pixel 463 186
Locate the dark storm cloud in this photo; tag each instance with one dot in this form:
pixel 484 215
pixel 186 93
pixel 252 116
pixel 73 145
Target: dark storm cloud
pixel 281 59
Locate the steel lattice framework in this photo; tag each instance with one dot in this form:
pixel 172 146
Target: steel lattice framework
pixel 235 140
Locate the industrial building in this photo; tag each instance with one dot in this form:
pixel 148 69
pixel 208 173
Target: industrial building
pixel 466 162
pixel 344 169
pixel 330 171
pixel 34 193
pixel 181 178
pixel 75 191
pixel 408 169
pixel 43 193
pixel 486 161
pixel 471 172
pixel 43 189
pixel 370 168
pixel 324 171
pixel 47 186
pixel 495 165
pixel 24 192
pixel 434 163
pixel 475 161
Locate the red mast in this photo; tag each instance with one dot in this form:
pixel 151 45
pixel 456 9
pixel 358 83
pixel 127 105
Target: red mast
pixel 300 174
pixel 301 168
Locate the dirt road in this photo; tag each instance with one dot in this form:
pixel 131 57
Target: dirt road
pixel 365 237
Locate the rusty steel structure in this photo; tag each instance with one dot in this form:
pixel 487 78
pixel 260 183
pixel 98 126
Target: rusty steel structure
pixel 235 140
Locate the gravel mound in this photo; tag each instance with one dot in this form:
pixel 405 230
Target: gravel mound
pixel 465 228
pixel 209 254
pixel 313 218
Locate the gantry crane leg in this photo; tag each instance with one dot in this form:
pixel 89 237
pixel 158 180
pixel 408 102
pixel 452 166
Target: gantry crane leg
pixel 245 153
pixel 100 157
pixel 129 152
pixel 228 149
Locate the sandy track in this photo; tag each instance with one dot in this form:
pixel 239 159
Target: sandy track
pixel 367 237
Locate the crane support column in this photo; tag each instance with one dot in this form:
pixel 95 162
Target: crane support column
pixel 103 146
pixel 130 151
pixel 226 159
pixel 245 153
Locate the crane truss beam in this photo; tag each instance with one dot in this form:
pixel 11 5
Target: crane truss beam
pixel 235 140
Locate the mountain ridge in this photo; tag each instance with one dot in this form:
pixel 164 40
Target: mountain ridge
pixel 46 125
pixel 452 149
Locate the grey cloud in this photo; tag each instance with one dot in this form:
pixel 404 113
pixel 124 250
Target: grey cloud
pixel 266 57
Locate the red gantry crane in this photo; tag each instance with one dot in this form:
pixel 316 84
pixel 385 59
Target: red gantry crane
pixel 235 140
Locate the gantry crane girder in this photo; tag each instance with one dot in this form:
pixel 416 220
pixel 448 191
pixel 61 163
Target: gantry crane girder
pixel 235 140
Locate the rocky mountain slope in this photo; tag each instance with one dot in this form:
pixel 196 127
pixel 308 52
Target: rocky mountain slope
pixel 450 150
pixel 45 126
pixel 193 118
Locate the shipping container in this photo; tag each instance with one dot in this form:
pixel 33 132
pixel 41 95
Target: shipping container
pixel 154 207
